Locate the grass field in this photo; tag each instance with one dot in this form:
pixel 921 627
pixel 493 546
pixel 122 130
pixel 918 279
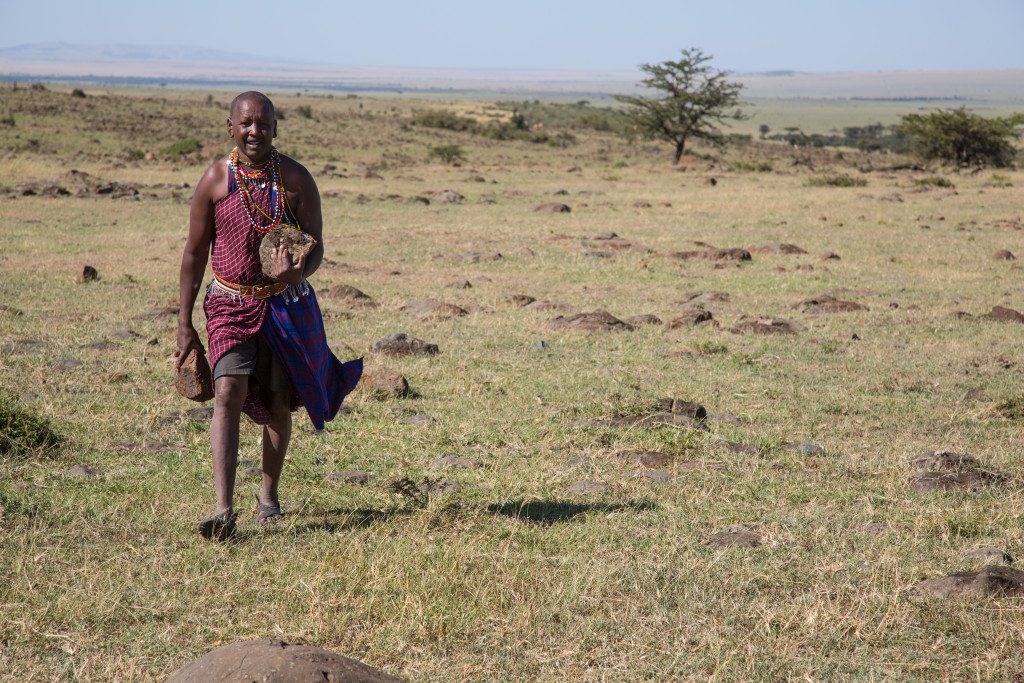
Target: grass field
pixel 514 576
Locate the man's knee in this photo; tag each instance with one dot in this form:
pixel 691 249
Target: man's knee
pixel 280 407
pixel 229 392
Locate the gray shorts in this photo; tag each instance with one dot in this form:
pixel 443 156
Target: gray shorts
pixel 254 358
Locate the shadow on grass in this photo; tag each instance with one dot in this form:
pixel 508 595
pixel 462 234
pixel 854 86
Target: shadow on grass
pixel 345 519
pixel 547 512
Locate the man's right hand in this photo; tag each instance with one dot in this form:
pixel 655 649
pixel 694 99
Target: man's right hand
pixel 188 339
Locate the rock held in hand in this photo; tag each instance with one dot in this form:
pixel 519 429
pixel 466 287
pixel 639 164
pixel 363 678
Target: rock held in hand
pixel 298 244
pixel 194 380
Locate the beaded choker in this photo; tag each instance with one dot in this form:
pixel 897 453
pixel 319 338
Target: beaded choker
pixel 247 180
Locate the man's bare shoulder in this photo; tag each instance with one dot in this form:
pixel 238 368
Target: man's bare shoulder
pixel 214 183
pixel 295 174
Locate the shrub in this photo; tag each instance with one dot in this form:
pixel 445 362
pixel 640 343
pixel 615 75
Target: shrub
pixel 305 111
pixel 962 138
pixel 444 120
pixel 7 119
pixel 934 181
pixel 78 92
pixel 752 166
pixel 838 180
pixel 183 146
pixel 37 86
pixel 1000 181
pixel 448 154
pixel 22 432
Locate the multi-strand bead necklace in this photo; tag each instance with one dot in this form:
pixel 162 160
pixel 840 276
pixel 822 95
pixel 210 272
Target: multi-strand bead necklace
pixel 247 180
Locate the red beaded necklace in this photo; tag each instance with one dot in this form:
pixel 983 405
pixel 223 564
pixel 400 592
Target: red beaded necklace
pixel 247 180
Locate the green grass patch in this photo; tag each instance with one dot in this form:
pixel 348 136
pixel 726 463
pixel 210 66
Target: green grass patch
pixel 23 433
pixel 837 180
pixel 183 146
pixel 934 181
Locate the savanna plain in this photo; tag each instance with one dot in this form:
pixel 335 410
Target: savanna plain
pixel 563 533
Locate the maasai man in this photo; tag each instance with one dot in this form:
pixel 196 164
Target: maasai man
pixel 268 349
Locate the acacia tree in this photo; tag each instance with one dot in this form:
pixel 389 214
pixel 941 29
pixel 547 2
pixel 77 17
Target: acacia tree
pixel 963 138
pixel 696 99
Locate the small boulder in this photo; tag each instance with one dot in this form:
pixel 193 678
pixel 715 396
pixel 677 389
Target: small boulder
pixel 736 536
pixel 552 207
pixel 383 382
pixel 1006 314
pixel 994 581
pixel 351 296
pixel 691 318
pixel 1004 255
pixel 86 274
pixel 401 344
pixel 596 321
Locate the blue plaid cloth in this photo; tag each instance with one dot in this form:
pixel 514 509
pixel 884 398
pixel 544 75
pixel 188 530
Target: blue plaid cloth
pixel 294 330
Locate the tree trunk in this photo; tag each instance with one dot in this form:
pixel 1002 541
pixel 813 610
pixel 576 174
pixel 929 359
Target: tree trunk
pixel 680 145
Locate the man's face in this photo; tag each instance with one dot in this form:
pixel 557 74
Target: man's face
pixel 253 128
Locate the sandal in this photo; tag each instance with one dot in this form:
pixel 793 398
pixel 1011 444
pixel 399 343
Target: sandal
pixel 268 513
pixel 219 527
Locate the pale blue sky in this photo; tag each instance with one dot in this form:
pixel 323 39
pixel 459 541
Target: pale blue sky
pixel 743 35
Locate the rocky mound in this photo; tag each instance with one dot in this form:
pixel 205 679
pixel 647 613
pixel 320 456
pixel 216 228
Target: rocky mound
pixel 995 581
pixel 401 344
pixel 596 321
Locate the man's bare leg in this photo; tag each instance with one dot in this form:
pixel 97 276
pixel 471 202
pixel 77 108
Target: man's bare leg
pixel 276 436
pixel 229 395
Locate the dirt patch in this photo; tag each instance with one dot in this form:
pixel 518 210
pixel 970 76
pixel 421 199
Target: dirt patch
pixel 824 303
pixel 944 461
pixel 277 661
pixel 401 344
pixel 991 582
pixel 596 321
pixel 736 536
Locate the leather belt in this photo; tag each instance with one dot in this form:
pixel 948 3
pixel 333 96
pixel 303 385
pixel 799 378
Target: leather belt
pixel 252 291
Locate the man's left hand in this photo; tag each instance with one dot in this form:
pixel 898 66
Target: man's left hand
pixel 283 270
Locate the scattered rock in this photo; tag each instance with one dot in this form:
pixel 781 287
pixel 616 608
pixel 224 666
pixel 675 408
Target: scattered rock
pixel 447 197
pixel 736 536
pixel 604 236
pixel 450 462
pixel 768 327
pixel 87 274
pixel 824 303
pixel 680 406
pixel 275 661
pixel 353 477
pixel 541 345
pixel 552 207
pixel 433 309
pixel 775 248
pixel 656 476
pixel 1006 314
pixel 67 365
pixel 970 480
pixel 84 471
pixel 521 299
pixel 645 319
pixel 1004 255
pixel 691 318
pixel 714 254
pixel 383 382
pixel 988 555
pixel 351 296
pixel 829 256
pixel 401 344
pixel 991 582
pixel 586 487
pixel 439 486
pixel 805 448
pixel 596 321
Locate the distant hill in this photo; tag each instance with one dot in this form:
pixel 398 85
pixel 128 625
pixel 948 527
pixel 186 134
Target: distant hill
pixel 192 65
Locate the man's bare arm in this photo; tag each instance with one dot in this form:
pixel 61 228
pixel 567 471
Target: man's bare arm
pixel 193 261
pixel 306 204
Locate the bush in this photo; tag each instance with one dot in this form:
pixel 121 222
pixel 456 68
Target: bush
pixel 448 154
pixel 444 120
pixel 22 432
pixel 934 181
pixel 183 146
pixel 962 138
pixel 7 119
pixel 838 180
pixel 1000 181
pixel 752 166
pixel 305 111
pixel 78 92
pixel 37 86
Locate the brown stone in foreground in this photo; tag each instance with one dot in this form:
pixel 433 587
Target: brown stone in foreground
pixel 87 274
pixel 275 661
pixel 1004 255
pixel 383 382
pixel 298 244
pixel 680 406
pixel 714 254
pixel 775 248
pixel 994 581
pixel 447 197
pixel 643 319
pixel 401 344
pixel 351 296
pixel 552 207
pixel 596 321
pixel 967 480
pixel 433 309
pixel 194 380
pixel 1006 314
pixel 736 536
pixel 522 299
pixel 825 303
pixel 944 461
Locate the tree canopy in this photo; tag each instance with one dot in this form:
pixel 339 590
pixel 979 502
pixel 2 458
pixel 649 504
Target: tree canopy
pixel 962 138
pixel 696 99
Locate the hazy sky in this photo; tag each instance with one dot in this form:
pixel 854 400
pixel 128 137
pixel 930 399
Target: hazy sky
pixel 743 35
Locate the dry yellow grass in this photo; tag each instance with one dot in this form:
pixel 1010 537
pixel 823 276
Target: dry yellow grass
pixel 511 577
